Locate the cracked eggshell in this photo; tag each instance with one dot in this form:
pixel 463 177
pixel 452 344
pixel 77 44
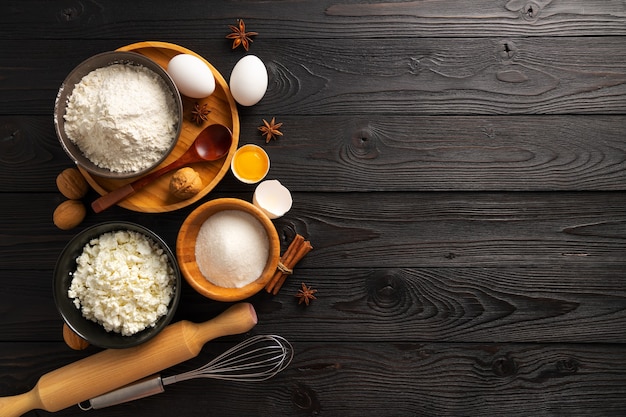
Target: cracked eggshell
pixel 248 80
pixel 192 76
pixel 273 198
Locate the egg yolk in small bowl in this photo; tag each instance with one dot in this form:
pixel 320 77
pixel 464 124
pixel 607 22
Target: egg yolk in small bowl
pixel 250 164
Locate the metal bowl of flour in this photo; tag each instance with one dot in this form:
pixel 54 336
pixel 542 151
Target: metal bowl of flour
pixel 111 166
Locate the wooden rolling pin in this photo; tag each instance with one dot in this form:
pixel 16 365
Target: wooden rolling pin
pixel 113 368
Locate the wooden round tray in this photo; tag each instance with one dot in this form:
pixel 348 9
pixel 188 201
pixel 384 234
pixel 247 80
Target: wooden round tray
pixel 156 198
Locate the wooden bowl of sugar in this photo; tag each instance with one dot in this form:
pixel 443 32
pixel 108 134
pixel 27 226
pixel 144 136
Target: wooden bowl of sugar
pixel 227 249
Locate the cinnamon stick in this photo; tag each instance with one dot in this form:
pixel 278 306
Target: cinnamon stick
pixel 294 253
pixel 284 260
pixel 301 252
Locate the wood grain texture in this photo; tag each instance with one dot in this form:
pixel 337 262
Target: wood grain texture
pixel 320 19
pixel 450 76
pixel 459 168
pixel 419 153
pixel 388 229
pixel 407 379
pixel 485 305
pixel 570 304
pixel 485 229
pixel 358 77
pixel 422 153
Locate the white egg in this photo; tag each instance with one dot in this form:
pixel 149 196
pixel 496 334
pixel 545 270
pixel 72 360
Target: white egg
pixel 248 80
pixel 191 75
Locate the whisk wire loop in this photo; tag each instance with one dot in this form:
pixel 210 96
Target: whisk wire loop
pixel 255 359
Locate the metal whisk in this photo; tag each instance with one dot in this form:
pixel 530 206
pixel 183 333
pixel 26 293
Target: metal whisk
pixel 255 359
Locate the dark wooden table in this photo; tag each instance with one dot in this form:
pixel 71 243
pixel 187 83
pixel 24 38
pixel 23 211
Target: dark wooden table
pixel 459 167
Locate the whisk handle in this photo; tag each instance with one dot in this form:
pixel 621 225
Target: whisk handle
pixel 146 387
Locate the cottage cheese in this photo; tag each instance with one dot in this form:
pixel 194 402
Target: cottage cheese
pixel 123 281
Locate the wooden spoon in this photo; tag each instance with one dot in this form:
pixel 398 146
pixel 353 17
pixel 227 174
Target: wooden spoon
pixel 210 145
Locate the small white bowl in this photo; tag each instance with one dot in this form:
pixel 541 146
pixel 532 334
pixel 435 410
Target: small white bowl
pixel 250 164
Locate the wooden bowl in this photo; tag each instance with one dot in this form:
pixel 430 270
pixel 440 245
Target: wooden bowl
pixel 186 250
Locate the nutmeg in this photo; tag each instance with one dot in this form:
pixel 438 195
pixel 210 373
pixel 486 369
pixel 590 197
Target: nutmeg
pixel 185 183
pixel 72 184
pixel 69 214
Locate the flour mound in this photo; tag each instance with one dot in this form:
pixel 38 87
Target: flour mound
pixel 122 117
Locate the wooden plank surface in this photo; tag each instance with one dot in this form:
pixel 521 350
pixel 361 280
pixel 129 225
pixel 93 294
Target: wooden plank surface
pixel 292 19
pixel 357 77
pixel 422 378
pixel 460 170
pixel 483 305
pixel 387 229
pixel 418 153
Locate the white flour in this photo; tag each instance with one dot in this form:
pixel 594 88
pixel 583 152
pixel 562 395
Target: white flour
pixel 231 249
pixel 122 117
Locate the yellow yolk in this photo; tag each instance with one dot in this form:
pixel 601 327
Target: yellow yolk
pixel 251 164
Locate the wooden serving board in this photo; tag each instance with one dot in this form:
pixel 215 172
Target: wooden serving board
pixel 156 197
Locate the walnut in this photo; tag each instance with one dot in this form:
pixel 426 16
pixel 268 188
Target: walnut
pixel 72 184
pixel 185 183
pixel 69 214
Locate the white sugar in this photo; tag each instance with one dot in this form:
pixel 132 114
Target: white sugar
pixel 232 248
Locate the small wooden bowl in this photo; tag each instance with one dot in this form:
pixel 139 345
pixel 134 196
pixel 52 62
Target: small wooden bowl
pixel 186 250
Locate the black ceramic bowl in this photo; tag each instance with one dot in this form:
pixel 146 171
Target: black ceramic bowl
pixel 65 91
pixel 91 331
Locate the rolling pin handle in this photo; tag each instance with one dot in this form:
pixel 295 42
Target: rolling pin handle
pixel 143 388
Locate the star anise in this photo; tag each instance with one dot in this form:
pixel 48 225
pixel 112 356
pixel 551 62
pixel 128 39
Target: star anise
pixel 240 36
pixel 305 294
pixel 200 113
pixel 270 130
